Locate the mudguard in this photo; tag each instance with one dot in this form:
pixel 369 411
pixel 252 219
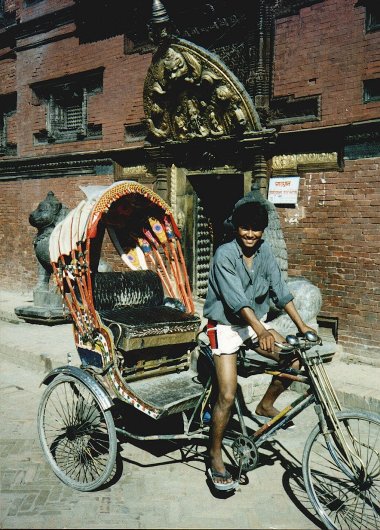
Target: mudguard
pixel 95 387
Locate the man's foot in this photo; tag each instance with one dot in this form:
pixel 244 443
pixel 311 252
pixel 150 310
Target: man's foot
pixel 222 481
pixel 218 471
pixel 271 412
pixel 268 412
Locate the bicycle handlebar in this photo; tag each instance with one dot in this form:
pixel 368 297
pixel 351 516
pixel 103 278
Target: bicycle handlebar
pixel 293 341
pixel 284 347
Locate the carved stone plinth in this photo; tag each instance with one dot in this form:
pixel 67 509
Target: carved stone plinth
pixel 46 309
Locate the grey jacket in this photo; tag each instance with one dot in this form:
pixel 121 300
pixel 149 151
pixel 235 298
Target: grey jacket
pixel 232 286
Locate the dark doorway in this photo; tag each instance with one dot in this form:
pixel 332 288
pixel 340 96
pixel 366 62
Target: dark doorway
pixel 214 196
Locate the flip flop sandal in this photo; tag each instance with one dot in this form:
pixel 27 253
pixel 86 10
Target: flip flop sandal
pixel 219 485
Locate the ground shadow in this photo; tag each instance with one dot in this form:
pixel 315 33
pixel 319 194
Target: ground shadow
pixel 192 452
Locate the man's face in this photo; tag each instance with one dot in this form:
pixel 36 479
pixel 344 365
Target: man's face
pixel 248 236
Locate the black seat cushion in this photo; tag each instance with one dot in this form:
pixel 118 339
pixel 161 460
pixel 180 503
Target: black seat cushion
pixel 113 290
pixel 145 321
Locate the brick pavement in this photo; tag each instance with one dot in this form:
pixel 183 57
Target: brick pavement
pixel 153 490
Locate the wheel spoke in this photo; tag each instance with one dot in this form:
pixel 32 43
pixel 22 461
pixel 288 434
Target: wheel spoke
pixel 78 437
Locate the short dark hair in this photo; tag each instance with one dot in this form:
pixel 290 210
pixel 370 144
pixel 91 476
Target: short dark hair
pixel 252 214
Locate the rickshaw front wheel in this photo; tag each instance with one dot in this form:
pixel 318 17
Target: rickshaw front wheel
pixel 345 500
pixel 77 436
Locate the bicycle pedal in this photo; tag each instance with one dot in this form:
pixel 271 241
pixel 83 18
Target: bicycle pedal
pixel 290 425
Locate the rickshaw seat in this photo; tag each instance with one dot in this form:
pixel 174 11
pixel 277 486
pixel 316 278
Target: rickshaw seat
pixel 135 302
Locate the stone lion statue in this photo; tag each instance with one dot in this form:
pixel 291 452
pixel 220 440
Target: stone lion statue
pixel 45 217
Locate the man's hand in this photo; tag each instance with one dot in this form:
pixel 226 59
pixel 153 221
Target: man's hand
pixel 294 315
pixel 264 338
pixel 266 341
pixel 304 329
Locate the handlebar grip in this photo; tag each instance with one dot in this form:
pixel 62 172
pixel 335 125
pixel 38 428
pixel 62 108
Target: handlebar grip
pixel 284 347
pixel 292 341
pixel 312 337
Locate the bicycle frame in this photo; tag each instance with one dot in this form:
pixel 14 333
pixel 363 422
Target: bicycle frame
pixel 322 393
pixel 259 436
pixel 328 405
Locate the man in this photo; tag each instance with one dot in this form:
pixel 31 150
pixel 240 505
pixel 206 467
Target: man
pixel 244 275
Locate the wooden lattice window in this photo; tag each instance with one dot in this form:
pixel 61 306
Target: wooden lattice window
pixel 67 113
pixel 372 14
pixel 373 17
pixel 7 18
pixel 67 108
pixel 7 110
pixel 371 90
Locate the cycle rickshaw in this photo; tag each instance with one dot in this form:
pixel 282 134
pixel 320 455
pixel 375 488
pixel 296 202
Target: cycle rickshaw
pixel 136 332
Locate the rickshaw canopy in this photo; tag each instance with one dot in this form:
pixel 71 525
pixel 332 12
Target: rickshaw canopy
pixel 81 223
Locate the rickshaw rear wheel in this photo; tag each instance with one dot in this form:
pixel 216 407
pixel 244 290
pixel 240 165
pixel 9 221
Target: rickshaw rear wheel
pixel 77 436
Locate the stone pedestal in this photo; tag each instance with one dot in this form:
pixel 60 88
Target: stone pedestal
pixel 47 309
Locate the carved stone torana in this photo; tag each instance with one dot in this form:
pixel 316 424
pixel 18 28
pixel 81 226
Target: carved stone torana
pixel 199 115
pixel 189 93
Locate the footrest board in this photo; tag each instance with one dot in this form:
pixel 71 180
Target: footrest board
pixel 171 393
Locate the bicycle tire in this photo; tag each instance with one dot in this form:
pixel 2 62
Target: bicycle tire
pixel 77 436
pixel 342 502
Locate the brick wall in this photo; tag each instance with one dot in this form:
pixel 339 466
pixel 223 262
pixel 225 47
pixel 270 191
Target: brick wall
pixel 41 58
pixel 325 50
pixel 332 235
pixel 7 76
pixel 18 263
pixel 332 238
pixel 119 103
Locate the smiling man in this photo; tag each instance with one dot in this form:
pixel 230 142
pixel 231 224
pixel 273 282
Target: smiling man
pixel 244 275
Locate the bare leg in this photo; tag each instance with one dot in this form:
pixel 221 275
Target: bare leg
pixel 226 372
pixel 276 386
pixel 274 390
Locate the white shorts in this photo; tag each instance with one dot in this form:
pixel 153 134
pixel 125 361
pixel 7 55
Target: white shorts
pixel 227 339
